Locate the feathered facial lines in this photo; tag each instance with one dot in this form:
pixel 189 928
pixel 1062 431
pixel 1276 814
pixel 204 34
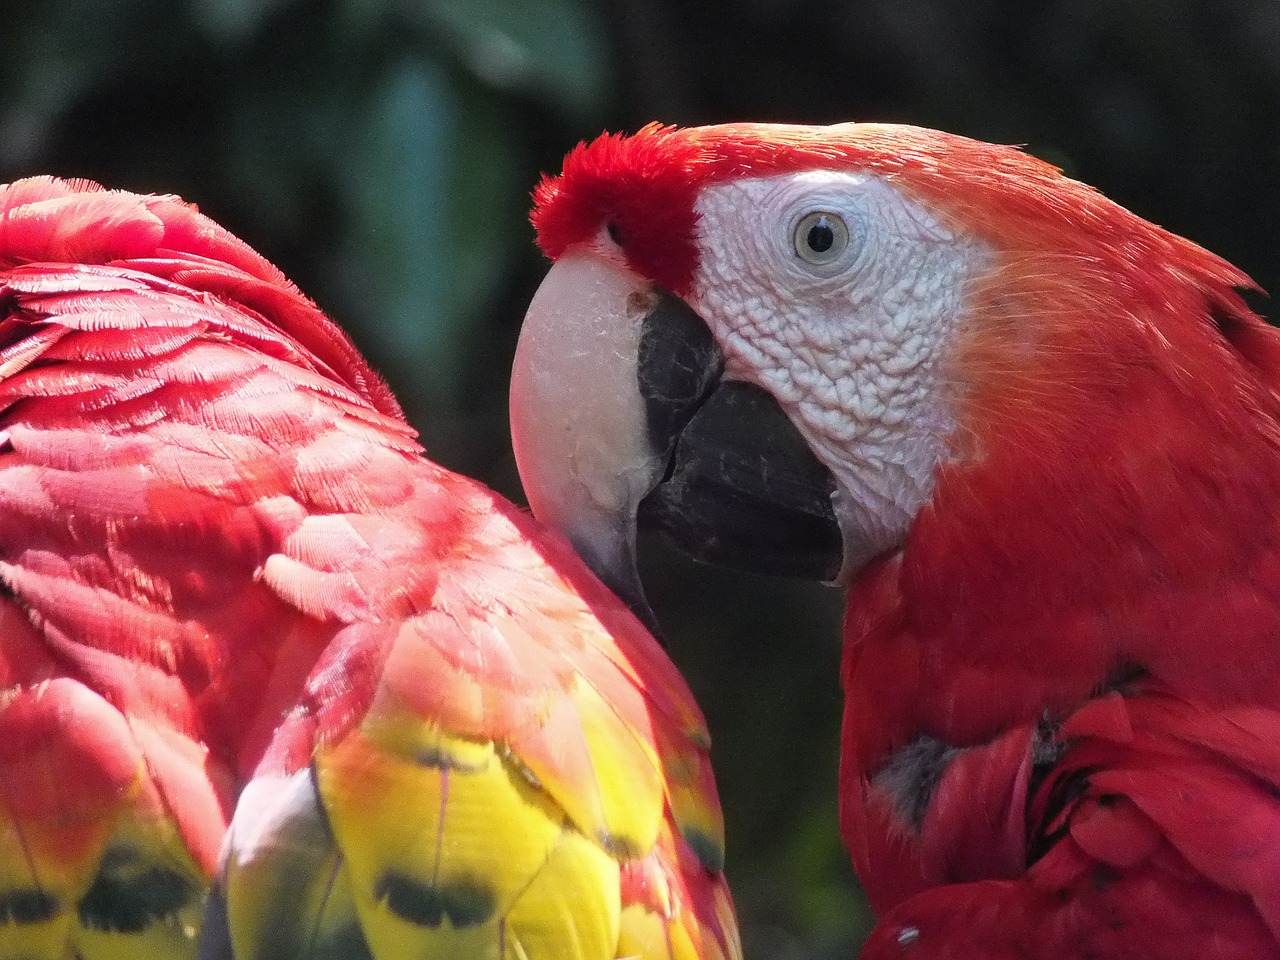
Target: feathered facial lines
pixel 851 345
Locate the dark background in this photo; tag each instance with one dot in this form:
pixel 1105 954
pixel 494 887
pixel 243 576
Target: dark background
pixel 381 152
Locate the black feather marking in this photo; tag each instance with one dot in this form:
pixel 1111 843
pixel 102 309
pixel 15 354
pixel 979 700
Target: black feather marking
pixel 128 895
pixel 709 853
pixel 463 903
pixel 912 774
pixel 29 905
pixel 1124 679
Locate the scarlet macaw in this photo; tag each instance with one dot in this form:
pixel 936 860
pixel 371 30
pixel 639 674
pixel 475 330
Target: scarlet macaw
pixel 235 592
pixel 1037 438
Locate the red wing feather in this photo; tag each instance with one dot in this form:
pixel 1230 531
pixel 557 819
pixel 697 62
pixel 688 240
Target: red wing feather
pixel 227 563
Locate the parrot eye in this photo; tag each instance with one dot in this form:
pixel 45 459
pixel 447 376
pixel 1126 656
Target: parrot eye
pixel 820 237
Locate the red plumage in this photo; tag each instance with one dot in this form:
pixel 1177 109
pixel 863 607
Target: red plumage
pixel 224 559
pixel 1086 612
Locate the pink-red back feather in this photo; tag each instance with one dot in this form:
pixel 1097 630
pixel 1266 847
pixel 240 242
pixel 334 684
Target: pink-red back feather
pixel 222 551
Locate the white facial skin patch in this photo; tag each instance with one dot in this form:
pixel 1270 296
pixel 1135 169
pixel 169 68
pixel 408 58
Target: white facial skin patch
pixel 850 344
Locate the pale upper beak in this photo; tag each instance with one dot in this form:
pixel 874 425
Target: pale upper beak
pixel 620 416
pixel 577 420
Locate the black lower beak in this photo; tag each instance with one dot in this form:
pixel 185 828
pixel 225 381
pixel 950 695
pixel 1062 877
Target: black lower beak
pixel 741 488
pixel 622 415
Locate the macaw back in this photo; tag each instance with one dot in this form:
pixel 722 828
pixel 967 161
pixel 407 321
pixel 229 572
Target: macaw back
pixel 248 631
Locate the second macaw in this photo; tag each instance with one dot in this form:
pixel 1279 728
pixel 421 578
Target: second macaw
pixel 1037 438
pixel 251 636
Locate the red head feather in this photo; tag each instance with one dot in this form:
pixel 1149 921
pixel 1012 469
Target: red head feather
pixel 643 188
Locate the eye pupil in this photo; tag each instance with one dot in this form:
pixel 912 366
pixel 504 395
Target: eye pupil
pixel 821 237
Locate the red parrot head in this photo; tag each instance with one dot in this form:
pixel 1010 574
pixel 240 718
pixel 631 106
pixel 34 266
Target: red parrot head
pixel 780 343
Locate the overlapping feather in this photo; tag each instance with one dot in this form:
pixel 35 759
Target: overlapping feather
pixel 439 735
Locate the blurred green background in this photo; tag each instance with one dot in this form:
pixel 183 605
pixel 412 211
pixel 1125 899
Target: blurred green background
pixel 382 151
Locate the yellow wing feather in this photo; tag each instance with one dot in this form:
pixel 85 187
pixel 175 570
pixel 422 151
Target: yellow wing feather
pixel 485 809
pixel 93 867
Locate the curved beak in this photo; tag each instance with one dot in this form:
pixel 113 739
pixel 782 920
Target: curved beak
pixel 620 416
pixel 577 422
